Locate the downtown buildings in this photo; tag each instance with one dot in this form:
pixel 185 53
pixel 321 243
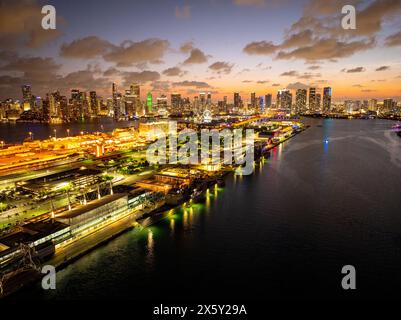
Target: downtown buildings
pixel 127 104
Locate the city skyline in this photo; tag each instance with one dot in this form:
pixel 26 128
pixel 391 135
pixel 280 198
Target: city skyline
pixel 192 47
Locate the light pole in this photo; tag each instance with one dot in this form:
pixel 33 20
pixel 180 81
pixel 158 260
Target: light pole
pixel 55 134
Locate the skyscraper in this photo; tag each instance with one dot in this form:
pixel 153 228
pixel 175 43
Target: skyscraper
pixel 387 105
pixel 268 101
pixel 261 104
pixel 284 100
pixel 93 103
pixel 300 101
pixel 162 105
pixel 237 100
pixel 372 105
pixel 202 99
pixel 175 101
pixel 149 103
pixel 327 99
pixel 318 102
pixel 312 100
pixel 209 99
pixel 135 90
pixel 253 100
pixel 27 96
pixel 116 107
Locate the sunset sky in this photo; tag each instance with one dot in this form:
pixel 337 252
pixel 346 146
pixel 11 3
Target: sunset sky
pixel 219 46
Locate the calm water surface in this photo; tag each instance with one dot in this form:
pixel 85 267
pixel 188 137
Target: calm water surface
pixel 18 132
pixel 326 198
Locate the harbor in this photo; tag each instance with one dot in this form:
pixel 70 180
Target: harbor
pixel 108 207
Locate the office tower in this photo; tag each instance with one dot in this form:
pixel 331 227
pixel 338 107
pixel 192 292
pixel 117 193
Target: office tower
pixel 327 99
pixel 93 103
pixel 237 101
pixel 161 102
pixel 253 100
pixel 261 104
pixel 268 101
pixel 349 106
pixel 27 97
pixel 209 99
pixel 130 102
pixel 318 102
pixel 312 100
pixel 284 100
pixel 365 104
pixel 300 101
pixel 116 107
pixel 196 104
pixel 135 90
pixel 387 105
pixel 372 106
pixel 149 103
pixel 202 99
pixel 54 105
pixel 75 94
pixel 175 101
pixel 64 111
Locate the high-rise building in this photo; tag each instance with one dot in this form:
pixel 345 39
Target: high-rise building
pixel 176 101
pixel 237 101
pixel 27 97
pixel 162 104
pixel 93 103
pixel 261 104
pixel 318 102
pixel 75 94
pixel 253 100
pixel 202 99
pixel 149 103
pixel 327 99
pixel 300 101
pixel 284 100
pixel 372 105
pixel 268 101
pixel 116 107
pixel 135 90
pixel 209 99
pixel 312 100
pixel 387 105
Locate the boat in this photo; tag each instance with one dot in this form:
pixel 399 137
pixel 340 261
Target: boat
pixel 396 126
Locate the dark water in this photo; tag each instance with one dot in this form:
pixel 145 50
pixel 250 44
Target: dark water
pixel 18 132
pixel 284 232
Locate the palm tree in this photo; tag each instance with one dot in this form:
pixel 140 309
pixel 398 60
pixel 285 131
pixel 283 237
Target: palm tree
pixel 67 189
pixel 109 179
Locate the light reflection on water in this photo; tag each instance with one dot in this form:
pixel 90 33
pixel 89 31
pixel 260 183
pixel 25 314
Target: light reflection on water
pixel 289 227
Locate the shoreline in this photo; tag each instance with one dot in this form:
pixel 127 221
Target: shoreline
pixel 126 223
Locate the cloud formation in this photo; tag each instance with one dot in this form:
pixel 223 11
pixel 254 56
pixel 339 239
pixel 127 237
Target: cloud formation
pixel 383 68
pixel 196 57
pixel 196 84
pixel 85 48
pixel 129 52
pixel 173 72
pixel 221 67
pixel 393 40
pixel 354 70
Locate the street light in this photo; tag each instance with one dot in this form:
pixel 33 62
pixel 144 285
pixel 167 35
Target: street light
pixel 55 134
pixel 68 132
